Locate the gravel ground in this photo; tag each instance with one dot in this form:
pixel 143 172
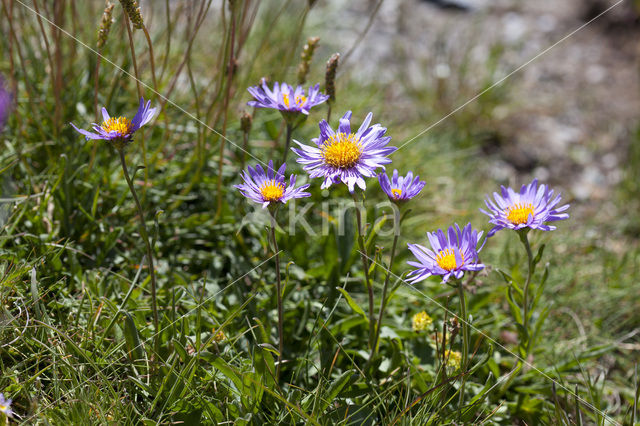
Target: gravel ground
pixel 568 115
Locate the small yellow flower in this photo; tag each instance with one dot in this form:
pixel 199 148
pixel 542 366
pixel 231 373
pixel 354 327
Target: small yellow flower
pixel 421 321
pixel 219 336
pixel 454 358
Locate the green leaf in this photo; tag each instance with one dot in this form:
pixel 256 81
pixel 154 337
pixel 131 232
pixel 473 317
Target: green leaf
pixel 345 238
pixel 224 368
pixel 538 256
pixel 132 339
pixel 515 309
pixel 352 303
pixel 541 286
pixel 506 277
pixel 334 389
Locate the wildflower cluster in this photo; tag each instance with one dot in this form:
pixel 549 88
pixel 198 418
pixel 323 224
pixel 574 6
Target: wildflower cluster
pixel 348 156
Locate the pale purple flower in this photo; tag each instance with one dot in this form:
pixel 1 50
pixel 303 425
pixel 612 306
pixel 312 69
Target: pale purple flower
pixel 400 188
pixel 346 157
pixel 450 254
pixel 119 130
pixel 269 186
pixel 285 98
pixel 529 208
pixel 5 406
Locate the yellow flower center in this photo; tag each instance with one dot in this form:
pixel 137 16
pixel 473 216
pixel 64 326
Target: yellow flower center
pixel 519 213
pixel 119 124
pixel 272 190
pixel 4 408
pixel 447 259
pixel 342 150
pixel 299 100
pixel 396 193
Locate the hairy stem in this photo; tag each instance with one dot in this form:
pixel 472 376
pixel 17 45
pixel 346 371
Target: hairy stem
pixel 287 143
pixel 245 146
pixel 465 339
pixel 365 265
pixel 383 301
pixel 525 298
pixel 279 295
pixel 147 243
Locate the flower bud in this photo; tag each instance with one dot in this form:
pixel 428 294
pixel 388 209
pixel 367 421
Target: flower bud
pixel 132 10
pixel 105 24
pixel 330 77
pixel 305 58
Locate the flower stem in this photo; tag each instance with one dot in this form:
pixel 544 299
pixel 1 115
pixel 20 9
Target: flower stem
pixel 465 339
pixel 245 145
pixel 279 294
pixel 287 143
pixel 365 265
pixel 145 237
pixel 525 298
pixel 524 345
pixel 383 302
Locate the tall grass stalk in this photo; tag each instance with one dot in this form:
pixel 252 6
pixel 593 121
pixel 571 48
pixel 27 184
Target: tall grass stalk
pixel 134 61
pixel 231 65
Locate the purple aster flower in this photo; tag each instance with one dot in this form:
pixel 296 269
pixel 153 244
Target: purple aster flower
pixel 5 406
pixel 284 98
pixel 450 254
pixel 5 103
pixel 269 186
pixel 346 157
pixel 400 188
pixel 119 130
pixel 530 208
